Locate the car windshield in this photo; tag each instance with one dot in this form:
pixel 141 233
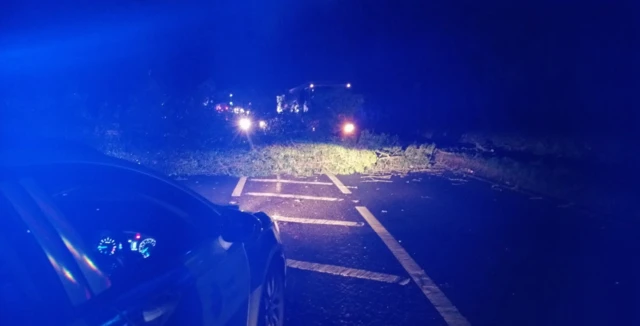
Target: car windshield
pixel 417 162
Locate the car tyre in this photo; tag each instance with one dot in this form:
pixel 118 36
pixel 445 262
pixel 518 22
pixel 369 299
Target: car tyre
pixel 272 298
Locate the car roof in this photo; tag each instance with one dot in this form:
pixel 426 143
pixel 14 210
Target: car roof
pixel 29 152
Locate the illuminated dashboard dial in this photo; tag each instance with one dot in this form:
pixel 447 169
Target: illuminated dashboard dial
pixel 146 246
pixel 107 246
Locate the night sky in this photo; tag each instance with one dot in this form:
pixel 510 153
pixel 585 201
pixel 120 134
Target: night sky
pixel 564 67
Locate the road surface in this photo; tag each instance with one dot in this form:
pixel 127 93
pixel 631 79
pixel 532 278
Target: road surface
pixel 439 250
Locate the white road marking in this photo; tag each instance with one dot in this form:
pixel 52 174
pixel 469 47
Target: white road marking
pixel 270 194
pixel 374 180
pixel 278 184
pixel 293 181
pixel 315 221
pixel 237 191
pixel 346 271
pixel 338 184
pixel 438 299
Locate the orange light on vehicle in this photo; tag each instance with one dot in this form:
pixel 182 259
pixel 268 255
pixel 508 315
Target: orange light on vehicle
pixel 349 128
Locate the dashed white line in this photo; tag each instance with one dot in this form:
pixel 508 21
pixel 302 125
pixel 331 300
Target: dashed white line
pixel 314 221
pixel 293 181
pixel 237 191
pixel 270 194
pixel 338 184
pixel 438 299
pixel 346 271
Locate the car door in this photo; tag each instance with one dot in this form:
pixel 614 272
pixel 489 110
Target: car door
pixel 39 281
pixel 190 276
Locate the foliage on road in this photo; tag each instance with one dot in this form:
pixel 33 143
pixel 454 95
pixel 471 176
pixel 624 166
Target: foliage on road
pixel 537 178
pixel 378 155
pixel 295 159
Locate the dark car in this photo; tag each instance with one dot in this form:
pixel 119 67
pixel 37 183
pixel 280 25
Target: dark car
pixel 90 240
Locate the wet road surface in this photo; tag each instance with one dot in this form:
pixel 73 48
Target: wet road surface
pixel 432 250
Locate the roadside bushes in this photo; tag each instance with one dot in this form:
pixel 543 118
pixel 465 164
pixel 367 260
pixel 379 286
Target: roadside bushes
pixel 555 146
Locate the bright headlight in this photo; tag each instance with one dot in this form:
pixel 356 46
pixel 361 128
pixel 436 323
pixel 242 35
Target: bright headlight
pixel 244 124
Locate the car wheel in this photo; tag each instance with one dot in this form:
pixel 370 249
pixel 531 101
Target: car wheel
pixel 272 300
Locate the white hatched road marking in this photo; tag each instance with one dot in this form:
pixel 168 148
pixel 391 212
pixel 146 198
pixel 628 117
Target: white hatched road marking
pixel 438 299
pixel 237 191
pixel 278 184
pixel 314 221
pixel 338 184
pixel 294 181
pixel 346 271
pixel 270 194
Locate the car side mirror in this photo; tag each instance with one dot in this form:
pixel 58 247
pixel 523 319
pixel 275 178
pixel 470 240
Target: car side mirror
pixel 238 226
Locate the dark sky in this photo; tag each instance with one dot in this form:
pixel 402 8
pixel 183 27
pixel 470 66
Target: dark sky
pixel 537 66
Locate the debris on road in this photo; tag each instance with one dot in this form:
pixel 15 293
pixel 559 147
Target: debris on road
pixel 377 178
pixel 356 201
pixel 372 176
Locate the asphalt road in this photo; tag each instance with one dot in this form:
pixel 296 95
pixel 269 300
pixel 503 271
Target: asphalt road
pixel 440 250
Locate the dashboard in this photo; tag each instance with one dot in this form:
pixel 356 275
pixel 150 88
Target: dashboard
pixel 116 249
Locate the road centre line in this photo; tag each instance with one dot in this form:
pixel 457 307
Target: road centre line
pixel 294 181
pixel 237 191
pixel 315 221
pixel 338 183
pixel 270 194
pixel 346 271
pixel 438 299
